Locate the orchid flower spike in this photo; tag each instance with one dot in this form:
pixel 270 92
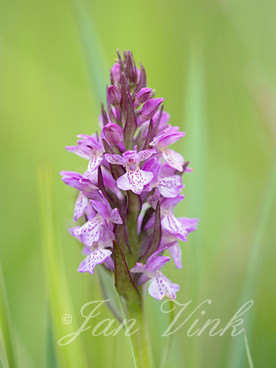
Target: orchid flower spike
pixel 126 197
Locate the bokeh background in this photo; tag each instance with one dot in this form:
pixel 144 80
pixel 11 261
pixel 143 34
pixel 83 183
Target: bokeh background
pixel 214 63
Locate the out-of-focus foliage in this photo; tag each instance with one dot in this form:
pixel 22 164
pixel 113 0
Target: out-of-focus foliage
pixel 214 63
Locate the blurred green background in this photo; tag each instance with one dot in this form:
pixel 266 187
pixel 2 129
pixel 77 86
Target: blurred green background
pixel 214 63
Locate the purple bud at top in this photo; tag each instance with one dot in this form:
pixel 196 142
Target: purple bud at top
pixel 143 95
pixel 151 106
pixel 149 109
pixel 113 95
pixel 115 74
pixel 130 71
pixel 113 133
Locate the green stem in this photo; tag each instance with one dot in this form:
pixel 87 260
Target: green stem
pixel 140 339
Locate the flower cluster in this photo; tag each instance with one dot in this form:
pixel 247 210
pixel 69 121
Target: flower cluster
pixel 132 183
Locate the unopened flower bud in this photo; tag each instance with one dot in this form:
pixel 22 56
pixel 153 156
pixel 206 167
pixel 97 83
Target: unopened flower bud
pixel 143 95
pixel 130 69
pixel 113 133
pixel 149 109
pixel 113 95
pixel 115 74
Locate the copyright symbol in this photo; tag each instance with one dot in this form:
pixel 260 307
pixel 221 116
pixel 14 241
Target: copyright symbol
pixel 66 319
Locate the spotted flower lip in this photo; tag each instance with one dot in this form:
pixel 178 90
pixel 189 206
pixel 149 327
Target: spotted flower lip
pixel 134 180
pixel 81 205
pixel 95 257
pixel 160 286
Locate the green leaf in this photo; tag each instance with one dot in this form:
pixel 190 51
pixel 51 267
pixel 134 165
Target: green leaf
pixel 149 136
pixel 156 238
pixel 149 212
pixel 131 124
pixel 134 206
pixel 113 200
pixel 123 281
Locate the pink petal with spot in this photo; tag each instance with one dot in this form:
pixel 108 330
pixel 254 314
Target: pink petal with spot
pixel 137 179
pixel 95 257
pixel 93 164
pixel 123 182
pixel 113 159
pixel 170 186
pixel 173 159
pixel 173 226
pixel 160 287
pixel 176 255
pixel 145 154
pixel 80 206
pixel 90 232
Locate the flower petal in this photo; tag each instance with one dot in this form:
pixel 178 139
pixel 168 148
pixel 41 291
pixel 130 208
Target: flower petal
pixel 79 150
pixel 174 159
pixel 137 179
pixel 170 186
pixel 101 205
pixel 95 257
pixel 93 164
pixel 115 217
pixel 113 159
pixel 90 232
pixel 123 182
pixel 190 224
pixel 160 287
pixel 139 267
pixel 155 263
pixel 176 255
pixel 80 206
pixel 171 224
pixel 145 154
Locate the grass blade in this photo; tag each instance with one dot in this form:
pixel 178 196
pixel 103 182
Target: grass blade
pixel 168 344
pixel 196 141
pixel 71 355
pixel 236 353
pixel 196 122
pixel 249 358
pixel 6 327
pixel 92 49
pixel 51 358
